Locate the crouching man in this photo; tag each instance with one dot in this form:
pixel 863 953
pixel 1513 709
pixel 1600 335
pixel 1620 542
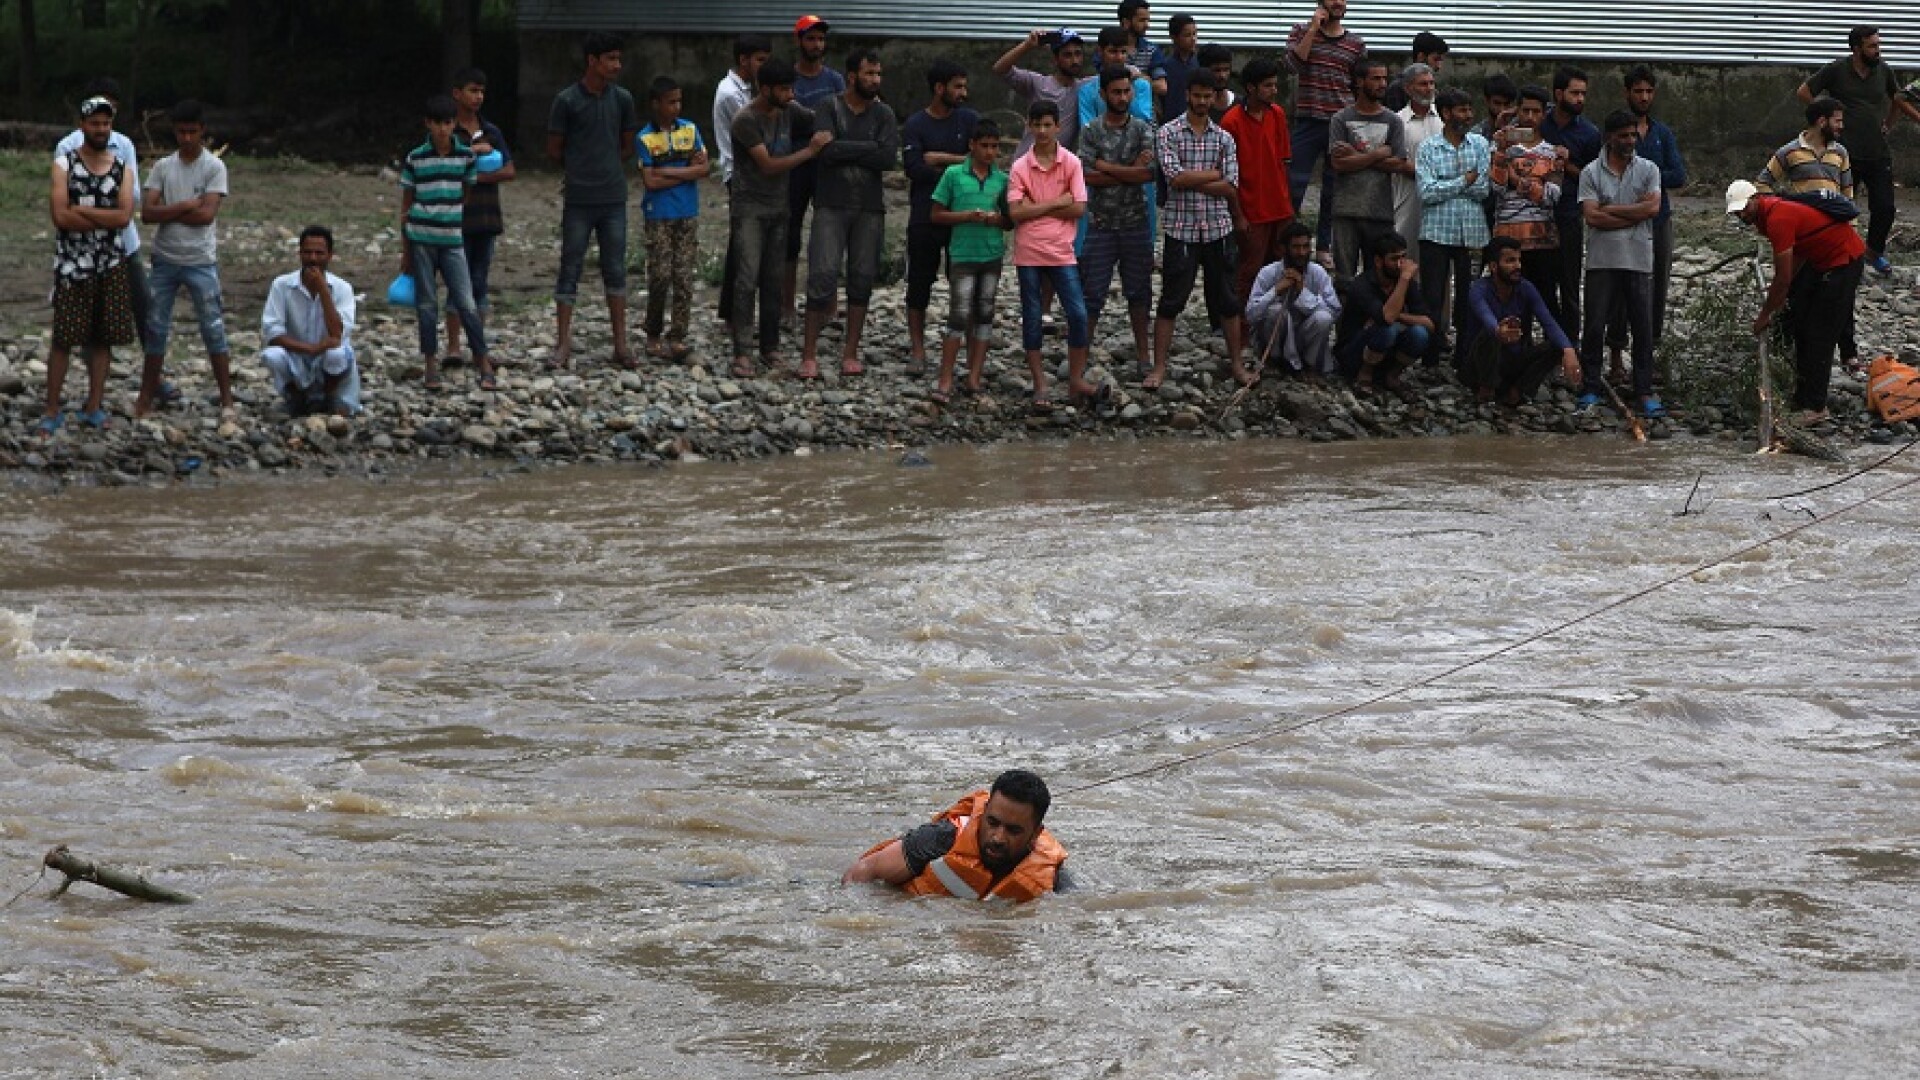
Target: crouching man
pixel 308 318
pixel 989 845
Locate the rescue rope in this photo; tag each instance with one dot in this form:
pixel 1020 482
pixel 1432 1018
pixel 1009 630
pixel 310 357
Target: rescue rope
pixel 1287 727
pixel 1855 474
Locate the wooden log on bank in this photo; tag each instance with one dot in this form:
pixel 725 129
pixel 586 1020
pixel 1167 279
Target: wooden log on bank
pixel 78 869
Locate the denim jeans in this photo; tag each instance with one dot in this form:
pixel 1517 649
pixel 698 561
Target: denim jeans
pixel 451 264
pixel 1066 289
pixel 479 265
pixel 577 225
pixel 1408 341
pixel 203 287
pixel 1311 140
pixel 970 289
pixel 758 244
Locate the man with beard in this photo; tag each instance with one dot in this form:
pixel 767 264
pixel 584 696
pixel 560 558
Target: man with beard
pixel 1260 138
pixel 1658 145
pixel 1498 353
pixel 1422 122
pixel 1114 52
pixel 1059 87
pixel 123 151
pixel 990 845
pixel 932 140
pixel 1528 172
pixel 757 210
pixel 1202 167
pixel 92 202
pixel 1567 129
pixel 1116 154
pixel 590 133
pixel 1321 53
pixel 1864 83
pixel 736 89
pixel 1143 56
pixel 1815 160
pixel 1452 175
pixel 1619 198
pixel 1294 306
pixel 1369 148
pixel 813 83
pixel 1816 274
pixel 1383 323
pixel 849 215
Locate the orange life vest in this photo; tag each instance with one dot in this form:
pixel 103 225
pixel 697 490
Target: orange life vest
pixel 961 873
pixel 1893 390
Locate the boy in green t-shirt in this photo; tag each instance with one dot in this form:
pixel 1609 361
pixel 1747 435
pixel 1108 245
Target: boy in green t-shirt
pixel 972 198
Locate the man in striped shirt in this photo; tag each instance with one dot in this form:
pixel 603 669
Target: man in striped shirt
pixel 1814 161
pixel 1321 52
pixel 433 187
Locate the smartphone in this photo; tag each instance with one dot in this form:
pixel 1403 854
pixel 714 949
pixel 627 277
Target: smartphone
pixel 1522 134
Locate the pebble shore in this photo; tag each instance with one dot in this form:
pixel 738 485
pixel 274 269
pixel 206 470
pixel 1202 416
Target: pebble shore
pixel 693 410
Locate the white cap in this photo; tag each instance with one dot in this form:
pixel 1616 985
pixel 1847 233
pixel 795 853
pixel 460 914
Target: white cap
pixel 1738 193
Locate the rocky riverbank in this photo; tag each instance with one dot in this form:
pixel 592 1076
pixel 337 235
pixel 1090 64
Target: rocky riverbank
pixel 694 411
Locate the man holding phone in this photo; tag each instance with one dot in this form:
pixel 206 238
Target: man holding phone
pixel 1321 53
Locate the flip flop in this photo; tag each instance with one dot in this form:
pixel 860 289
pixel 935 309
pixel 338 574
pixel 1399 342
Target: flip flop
pixel 433 382
pixel 487 382
pixel 677 353
pixel 851 368
pixel 94 418
pixel 1151 382
pixel 808 370
pixel 939 396
pixel 49 425
pixel 742 368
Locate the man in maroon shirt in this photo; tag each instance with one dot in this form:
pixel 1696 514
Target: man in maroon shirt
pixel 1817 259
pixel 1259 129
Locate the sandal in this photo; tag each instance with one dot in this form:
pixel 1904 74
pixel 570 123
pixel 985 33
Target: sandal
pixel 742 368
pixel 851 368
pixel 94 418
pixel 939 396
pixel 808 370
pixel 657 349
pixel 1093 399
pixel 1151 382
pixel 433 382
pixel 679 351
pixel 49 425
pixel 626 362
pixel 487 382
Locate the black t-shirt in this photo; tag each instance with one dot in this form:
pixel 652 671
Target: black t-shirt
pixel 1364 300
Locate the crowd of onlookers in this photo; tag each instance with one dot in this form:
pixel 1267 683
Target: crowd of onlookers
pixel 1501 231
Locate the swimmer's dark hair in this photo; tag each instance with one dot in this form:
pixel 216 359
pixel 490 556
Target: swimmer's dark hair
pixel 1024 787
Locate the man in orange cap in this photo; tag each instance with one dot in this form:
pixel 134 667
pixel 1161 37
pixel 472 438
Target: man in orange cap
pixel 814 83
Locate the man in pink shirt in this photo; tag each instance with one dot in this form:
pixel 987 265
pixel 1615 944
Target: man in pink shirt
pixel 1046 195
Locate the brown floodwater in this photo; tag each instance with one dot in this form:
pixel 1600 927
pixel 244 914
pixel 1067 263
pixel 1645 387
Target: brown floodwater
pixel 554 774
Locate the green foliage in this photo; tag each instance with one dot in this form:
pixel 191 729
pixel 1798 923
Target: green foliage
pixel 1709 353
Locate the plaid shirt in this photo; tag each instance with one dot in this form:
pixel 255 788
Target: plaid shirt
pixel 1452 212
pixel 1192 215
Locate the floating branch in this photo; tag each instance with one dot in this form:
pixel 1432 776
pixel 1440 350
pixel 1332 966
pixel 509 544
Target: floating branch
pixel 78 869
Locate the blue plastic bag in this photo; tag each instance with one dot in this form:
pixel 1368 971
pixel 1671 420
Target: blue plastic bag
pixel 400 293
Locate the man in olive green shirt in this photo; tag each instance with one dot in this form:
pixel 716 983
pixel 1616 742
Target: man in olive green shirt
pixel 1864 83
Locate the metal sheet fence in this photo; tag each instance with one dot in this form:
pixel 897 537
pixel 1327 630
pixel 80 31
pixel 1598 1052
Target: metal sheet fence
pixel 1692 31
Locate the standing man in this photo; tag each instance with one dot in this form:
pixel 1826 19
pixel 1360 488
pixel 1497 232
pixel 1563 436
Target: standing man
pixel 590 132
pixel 1058 86
pixel 1452 174
pixel 1566 128
pixel 1116 156
pixel 1369 148
pixel 735 90
pixel 307 324
pixel 1816 272
pixel 92 202
pixel 1263 145
pixel 1149 59
pixel 1046 196
pixel 1202 168
pixel 1422 122
pixel 433 183
pixel 1657 145
pixel 758 210
pixel 124 152
pixel 1321 53
pixel 183 198
pixel 1864 83
pixel 481 223
pixel 1183 58
pixel 1429 51
pixel 1619 198
pixel 1295 300
pixel 932 141
pixel 1528 172
pixel 1498 355
pixel 813 83
pixel 849 213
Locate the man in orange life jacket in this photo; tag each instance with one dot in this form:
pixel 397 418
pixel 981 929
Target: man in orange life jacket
pixel 989 845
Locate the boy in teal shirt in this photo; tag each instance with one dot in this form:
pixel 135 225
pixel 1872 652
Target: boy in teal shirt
pixel 972 198
pixel 672 162
pixel 433 185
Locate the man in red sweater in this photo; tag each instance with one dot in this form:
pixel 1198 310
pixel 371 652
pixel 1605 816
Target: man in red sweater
pixel 1817 260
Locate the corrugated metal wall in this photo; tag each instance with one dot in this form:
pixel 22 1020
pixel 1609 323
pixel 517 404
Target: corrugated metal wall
pixel 1700 31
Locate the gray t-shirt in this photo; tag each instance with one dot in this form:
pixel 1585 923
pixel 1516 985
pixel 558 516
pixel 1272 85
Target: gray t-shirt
pixel 596 130
pixel 180 181
pixel 1031 86
pixel 1367 194
pixel 1620 249
pixel 755 193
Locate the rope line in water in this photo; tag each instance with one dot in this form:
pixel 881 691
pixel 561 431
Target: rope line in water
pixel 1862 471
pixel 1539 635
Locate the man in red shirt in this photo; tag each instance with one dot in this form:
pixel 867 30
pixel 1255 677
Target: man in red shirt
pixel 1817 260
pixel 1259 129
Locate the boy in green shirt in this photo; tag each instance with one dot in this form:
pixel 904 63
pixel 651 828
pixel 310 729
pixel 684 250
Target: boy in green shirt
pixel 972 198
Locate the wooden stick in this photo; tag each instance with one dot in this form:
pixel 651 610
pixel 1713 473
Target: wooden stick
pixel 1259 367
pixel 1766 370
pixel 1634 427
pixel 78 869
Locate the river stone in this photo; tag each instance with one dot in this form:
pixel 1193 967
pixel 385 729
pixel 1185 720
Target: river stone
pixel 271 455
pixel 11 383
pixel 480 435
pixel 797 427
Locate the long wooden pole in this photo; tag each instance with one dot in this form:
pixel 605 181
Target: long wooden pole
pixel 78 869
pixel 1766 368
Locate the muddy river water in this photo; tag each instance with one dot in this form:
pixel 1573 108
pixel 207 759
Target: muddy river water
pixel 555 774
